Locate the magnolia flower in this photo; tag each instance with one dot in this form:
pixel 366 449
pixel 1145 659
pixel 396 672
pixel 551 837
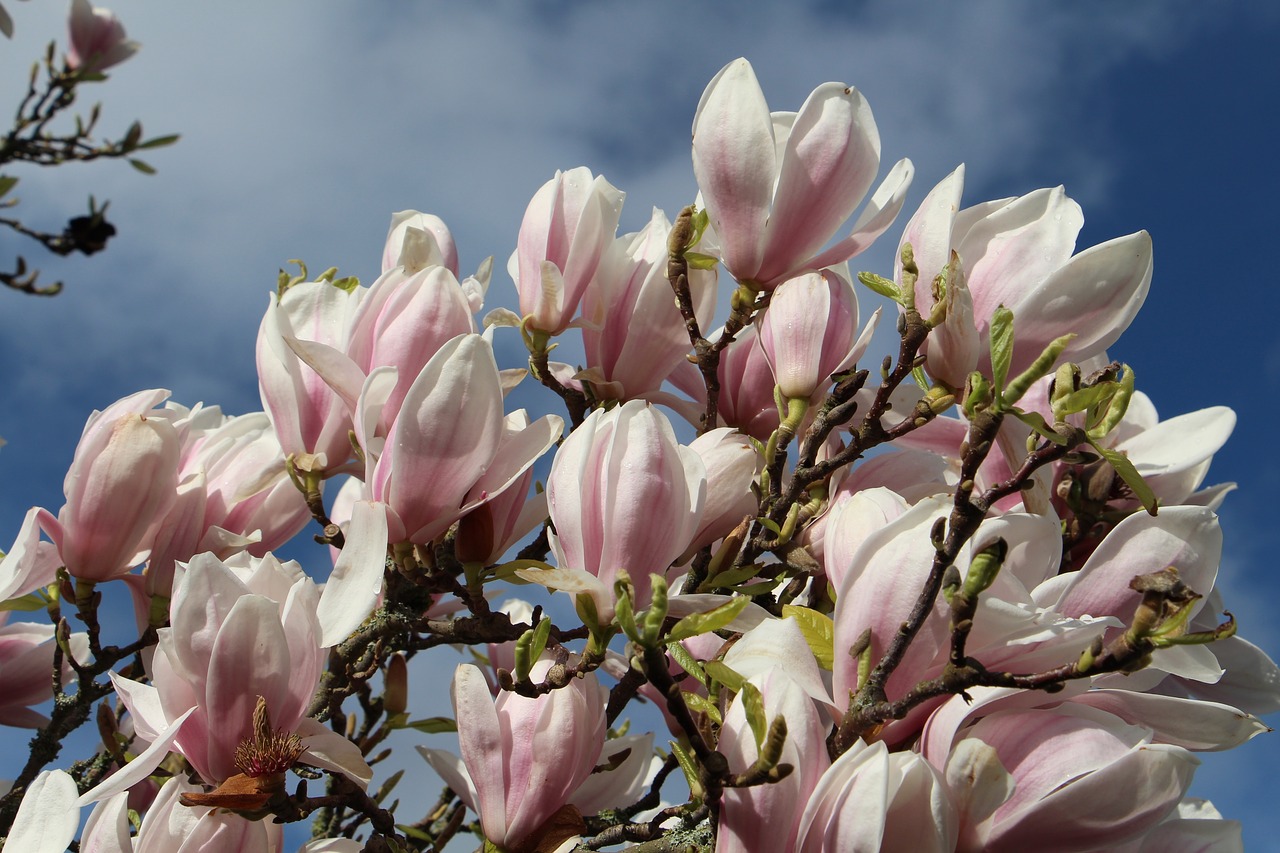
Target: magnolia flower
pixel 732 465
pixel 97 39
pixel 170 825
pixel 778 186
pixel 623 495
pixel 568 226
pixel 234 495
pixel 871 799
pixel 746 387
pixel 450 450
pixel 311 419
pixel 47 816
pixel 26 659
pixel 121 483
pixel 239 631
pixel 522 758
pixel 450 447
pixel 417 241
pixel 766 817
pixel 402 322
pixel 810 331
pixel 1070 778
pixel 632 332
pixel 1019 253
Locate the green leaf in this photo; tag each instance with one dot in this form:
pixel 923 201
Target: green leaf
pixel 415 833
pixel 144 168
pixel 753 704
pixel 687 662
pixel 818 630
pixel 1001 347
pixel 1040 368
pixel 132 136
pixel 690 768
pixel 704 623
pixel 433 725
pixel 159 141
pixel 541 633
pixel 623 613
pixel 731 577
pixel 881 285
pixel 1082 400
pixel 699 261
pixel 7 182
pixel 701 704
pixel 1119 404
pixel 1130 475
pixel 721 672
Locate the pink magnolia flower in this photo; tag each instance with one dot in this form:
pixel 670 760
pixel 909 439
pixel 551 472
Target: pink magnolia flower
pixel 311 419
pixel 632 331
pixel 810 331
pixel 1019 253
pixel 247 488
pixel 1067 778
pixel 450 450
pixel 766 817
pixel 488 531
pixel 402 322
pixel 450 447
pixel 778 186
pixel 418 240
pixel 1196 826
pixel 568 226
pixel 623 495
pixel 239 630
pixel 121 483
pixel 732 465
pixel 871 799
pixel 522 759
pixel 26 660
pixel 97 38
pixel 746 387
pixel 234 495
pixel 29 563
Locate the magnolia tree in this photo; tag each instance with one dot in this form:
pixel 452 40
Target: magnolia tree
pixel 963 599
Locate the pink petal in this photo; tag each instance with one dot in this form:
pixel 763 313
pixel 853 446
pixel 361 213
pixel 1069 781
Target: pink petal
pixel 735 164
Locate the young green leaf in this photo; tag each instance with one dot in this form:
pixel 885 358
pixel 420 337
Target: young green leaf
pixel 702 705
pixel 881 285
pixel 433 725
pixel 753 704
pixel 704 623
pixel 721 672
pixel 159 141
pixel 1001 347
pixel 687 662
pixel 1040 368
pixel 1130 475
pixel 818 631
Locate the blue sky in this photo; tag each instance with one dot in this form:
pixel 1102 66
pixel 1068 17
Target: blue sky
pixel 305 125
